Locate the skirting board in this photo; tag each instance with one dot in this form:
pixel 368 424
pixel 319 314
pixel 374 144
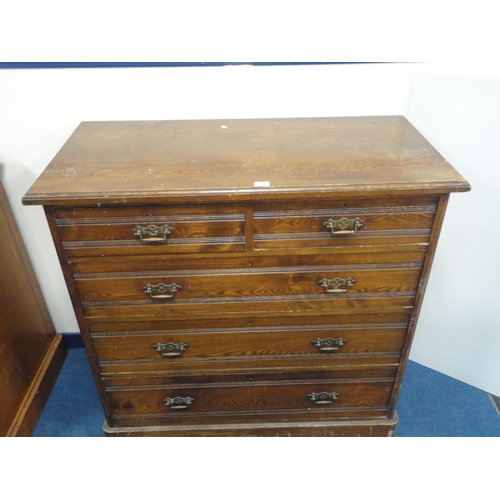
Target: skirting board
pixel 354 428
pixel 34 402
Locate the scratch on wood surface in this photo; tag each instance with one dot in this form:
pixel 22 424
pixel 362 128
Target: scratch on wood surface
pixel 249 160
pixel 242 167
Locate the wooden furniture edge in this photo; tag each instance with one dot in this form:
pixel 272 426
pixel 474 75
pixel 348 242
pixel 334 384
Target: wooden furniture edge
pixel 36 398
pixel 383 427
pixel 75 300
pixel 237 196
pixel 424 279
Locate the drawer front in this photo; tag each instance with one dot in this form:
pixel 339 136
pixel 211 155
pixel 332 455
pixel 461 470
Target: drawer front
pixel 318 397
pixel 81 266
pixel 348 305
pixel 182 337
pixel 243 322
pixel 371 225
pixel 245 343
pixel 181 286
pixel 151 230
pixel 255 370
pixel 296 369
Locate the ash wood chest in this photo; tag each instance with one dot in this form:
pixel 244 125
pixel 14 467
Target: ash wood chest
pixel 247 277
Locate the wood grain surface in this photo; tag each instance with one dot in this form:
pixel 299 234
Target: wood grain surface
pixel 146 162
pixel 31 353
pixel 252 209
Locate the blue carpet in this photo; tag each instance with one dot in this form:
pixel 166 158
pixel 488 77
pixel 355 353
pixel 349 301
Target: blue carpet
pixel 430 404
pixel 73 408
pixel 433 404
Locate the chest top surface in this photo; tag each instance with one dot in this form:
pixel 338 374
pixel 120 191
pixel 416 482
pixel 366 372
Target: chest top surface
pixel 234 160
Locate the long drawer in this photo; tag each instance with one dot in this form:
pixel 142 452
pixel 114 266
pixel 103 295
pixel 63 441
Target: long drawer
pixel 292 340
pixel 81 266
pixel 248 283
pixel 314 399
pixel 237 341
pixel 313 305
pixel 245 369
pixel 120 326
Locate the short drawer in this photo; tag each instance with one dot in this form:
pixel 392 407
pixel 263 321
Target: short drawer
pixel 314 397
pixel 151 230
pixel 357 340
pixel 371 225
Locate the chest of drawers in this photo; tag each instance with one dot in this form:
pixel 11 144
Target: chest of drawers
pixel 247 277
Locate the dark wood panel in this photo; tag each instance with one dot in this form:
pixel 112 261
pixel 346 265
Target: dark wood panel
pixel 284 395
pixel 28 362
pixel 175 246
pixel 112 231
pixel 102 265
pixel 304 222
pixel 436 231
pixel 105 231
pixel 248 283
pixel 242 419
pixel 365 243
pixel 40 388
pixel 366 427
pixel 364 204
pixel 286 226
pixel 149 214
pixel 349 304
pixel 257 342
pixel 244 321
pixel 128 373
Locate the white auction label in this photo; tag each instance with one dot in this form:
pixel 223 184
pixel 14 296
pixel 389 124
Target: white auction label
pixel 261 184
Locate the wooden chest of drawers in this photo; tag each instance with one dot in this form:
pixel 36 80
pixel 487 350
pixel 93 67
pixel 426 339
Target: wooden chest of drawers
pixel 247 277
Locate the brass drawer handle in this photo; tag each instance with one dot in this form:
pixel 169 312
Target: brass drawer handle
pixel 161 290
pixel 171 349
pixel 329 344
pixel 339 227
pixel 323 398
pixel 152 231
pixel 178 403
pixel 333 285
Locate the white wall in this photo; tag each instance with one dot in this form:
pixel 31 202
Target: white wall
pixel 458 110
pixel 458 330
